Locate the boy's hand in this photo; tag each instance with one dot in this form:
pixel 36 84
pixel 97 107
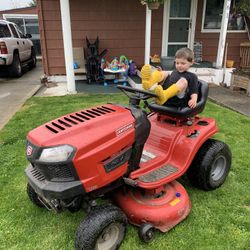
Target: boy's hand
pixel 193 101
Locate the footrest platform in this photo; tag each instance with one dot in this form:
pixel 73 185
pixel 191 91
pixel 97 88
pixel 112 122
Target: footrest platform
pixel 158 174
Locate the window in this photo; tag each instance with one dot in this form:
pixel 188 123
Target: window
pixel 31 26
pixel 20 33
pixel 18 22
pixel 4 30
pixel 13 31
pixel 213 16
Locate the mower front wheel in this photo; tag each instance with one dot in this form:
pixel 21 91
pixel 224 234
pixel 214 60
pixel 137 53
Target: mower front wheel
pixel 146 232
pixel 33 196
pixel 210 166
pixel 103 228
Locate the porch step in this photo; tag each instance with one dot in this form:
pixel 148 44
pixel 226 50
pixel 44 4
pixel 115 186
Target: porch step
pixel 202 71
pixel 158 174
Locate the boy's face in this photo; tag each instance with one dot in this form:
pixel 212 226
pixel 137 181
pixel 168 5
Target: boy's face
pixel 182 64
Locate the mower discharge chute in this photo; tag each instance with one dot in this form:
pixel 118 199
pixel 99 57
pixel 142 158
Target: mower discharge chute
pixel 129 156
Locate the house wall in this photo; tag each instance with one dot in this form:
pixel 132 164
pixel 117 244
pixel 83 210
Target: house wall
pixel 120 27
pixel 21 11
pixel 210 41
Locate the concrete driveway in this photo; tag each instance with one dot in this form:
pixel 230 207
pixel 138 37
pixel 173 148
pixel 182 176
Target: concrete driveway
pixel 15 91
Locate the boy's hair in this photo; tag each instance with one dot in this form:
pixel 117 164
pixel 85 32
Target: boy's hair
pixel 185 53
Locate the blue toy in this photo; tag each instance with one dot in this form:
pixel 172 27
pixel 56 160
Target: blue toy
pixel 114 65
pixel 75 65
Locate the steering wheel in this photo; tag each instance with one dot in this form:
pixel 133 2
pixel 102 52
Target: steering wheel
pixel 138 94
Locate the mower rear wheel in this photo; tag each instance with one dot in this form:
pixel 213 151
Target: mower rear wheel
pixel 210 166
pixel 103 228
pixel 34 196
pixel 146 232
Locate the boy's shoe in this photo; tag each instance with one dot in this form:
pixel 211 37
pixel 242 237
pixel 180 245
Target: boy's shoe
pixel 164 95
pixel 145 76
pixel 149 78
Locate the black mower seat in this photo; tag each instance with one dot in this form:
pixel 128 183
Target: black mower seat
pixel 186 112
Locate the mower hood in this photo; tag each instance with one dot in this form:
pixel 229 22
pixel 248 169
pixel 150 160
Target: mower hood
pixel 84 128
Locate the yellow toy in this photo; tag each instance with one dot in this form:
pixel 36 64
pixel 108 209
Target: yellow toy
pixel 155 58
pixel 152 81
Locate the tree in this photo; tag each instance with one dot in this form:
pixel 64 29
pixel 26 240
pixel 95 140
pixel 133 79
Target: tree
pixel 243 7
pixel 32 3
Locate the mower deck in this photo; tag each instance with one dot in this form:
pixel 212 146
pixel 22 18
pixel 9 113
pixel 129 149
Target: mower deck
pixel 163 207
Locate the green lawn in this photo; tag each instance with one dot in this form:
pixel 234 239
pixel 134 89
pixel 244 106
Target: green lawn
pixel 219 219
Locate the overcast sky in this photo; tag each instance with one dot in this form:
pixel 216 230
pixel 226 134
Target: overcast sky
pixel 11 4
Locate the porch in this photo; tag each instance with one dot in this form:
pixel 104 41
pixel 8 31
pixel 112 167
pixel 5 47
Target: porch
pixel 157 37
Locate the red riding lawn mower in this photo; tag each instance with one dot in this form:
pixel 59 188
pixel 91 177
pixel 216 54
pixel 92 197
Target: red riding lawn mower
pixel 130 156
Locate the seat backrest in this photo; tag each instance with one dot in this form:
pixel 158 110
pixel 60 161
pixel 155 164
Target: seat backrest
pixel 186 112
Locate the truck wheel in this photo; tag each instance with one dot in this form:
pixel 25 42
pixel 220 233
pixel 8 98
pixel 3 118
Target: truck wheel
pixel 32 64
pixel 15 69
pixel 103 228
pixel 33 196
pixel 210 166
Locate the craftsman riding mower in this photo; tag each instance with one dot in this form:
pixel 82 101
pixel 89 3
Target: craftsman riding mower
pixel 130 156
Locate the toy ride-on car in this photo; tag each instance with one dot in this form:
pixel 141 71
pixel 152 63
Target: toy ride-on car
pixel 129 156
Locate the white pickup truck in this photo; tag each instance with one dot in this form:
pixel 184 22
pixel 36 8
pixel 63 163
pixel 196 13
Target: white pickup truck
pixel 16 49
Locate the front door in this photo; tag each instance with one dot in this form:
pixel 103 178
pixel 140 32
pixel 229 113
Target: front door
pixel 180 20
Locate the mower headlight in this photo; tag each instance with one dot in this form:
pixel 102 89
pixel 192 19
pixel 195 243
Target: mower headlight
pixel 56 154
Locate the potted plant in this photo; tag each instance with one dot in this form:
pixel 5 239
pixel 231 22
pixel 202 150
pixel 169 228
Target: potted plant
pixel 243 7
pixel 152 4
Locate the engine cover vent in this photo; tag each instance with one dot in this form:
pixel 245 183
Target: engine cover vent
pixel 76 118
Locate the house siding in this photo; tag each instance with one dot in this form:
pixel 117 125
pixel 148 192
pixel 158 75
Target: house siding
pixel 120 28
pixel 20 11
pixel 210 41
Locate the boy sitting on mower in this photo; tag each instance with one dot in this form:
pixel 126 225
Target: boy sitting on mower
pixel 180 89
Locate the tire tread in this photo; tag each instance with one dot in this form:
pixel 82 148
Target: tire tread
pixel 198 172
pixel 96 220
